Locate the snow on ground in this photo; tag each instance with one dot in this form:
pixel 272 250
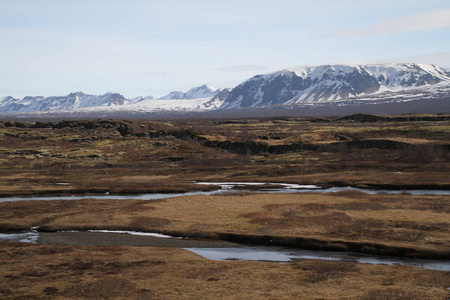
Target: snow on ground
pixel 160 105
pixel 157 235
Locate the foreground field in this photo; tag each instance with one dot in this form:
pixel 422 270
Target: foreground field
pixel 107 272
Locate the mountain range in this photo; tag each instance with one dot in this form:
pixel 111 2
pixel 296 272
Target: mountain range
pixel 199 98
pixel 304 86
pixel 204 91
pixel 332 83
pixel 72 101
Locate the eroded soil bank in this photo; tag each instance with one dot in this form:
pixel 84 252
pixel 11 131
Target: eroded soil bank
pixel 83 238
pixel 215 249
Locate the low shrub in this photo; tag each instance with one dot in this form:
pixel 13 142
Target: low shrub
pixel 144 223
pixel 394 294
pixel 367 227
pixel 322 270
pixel 50 290
pixel 33 272
pixel 361 206
pixel 412 235
pixel 315 207
pixel 106 288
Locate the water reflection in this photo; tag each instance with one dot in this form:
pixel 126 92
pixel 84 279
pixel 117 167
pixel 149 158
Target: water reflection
pixel 27 237
pixel 279 254
pixel 227 187
pixel 209 249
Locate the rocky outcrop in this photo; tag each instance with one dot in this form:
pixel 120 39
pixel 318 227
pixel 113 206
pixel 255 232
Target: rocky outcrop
pixel 126 128
pixel 377 118
pixel 123 127
pixel 363 144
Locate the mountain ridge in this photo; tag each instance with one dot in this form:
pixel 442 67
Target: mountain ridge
pixel 72 101
pixel 198 98
pixel 313 84
pixel 204 91
pixel 300 87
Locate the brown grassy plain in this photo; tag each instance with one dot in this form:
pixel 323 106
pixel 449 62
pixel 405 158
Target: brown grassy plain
pixel 118 272
pixel 343 221
pixel 143 156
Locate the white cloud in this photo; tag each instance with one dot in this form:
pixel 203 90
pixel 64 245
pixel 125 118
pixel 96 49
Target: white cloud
pixel 429 20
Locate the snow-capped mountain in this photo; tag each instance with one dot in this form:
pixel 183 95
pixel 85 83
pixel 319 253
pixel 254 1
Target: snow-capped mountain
pixel 328 83
pixel 175 95
pixel 140 98
pixel 72 101
pixel 201 92
pixel 294 88
pixel 196 99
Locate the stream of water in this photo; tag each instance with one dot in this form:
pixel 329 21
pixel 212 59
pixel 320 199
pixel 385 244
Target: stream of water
pixel 211 249
pixel 279 254
pixel 229 187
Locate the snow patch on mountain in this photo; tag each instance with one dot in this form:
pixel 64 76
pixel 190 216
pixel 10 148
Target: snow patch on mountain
pixel 328 83
pixel 160 105
pixel 201 92
pixel 140 98
pixel 176 95
pixel 72 101
pixel 201 99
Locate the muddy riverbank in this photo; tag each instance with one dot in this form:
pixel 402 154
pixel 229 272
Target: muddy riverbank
pixel 215 249
pixel 86 238
pixel 310 218
pixel 317 244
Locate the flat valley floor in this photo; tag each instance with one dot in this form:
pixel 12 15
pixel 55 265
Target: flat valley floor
pixel 133 157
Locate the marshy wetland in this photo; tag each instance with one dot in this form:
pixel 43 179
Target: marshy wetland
pixel 110 158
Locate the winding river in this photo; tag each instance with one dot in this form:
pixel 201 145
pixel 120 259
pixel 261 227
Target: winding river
pixel 214 250
pixel 230 187
pixel 221 250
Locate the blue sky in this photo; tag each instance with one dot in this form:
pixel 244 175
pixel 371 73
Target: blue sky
pixel 136 47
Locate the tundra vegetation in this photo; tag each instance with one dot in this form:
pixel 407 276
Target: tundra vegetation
pixel 112 156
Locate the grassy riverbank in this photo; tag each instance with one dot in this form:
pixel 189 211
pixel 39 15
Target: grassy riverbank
pixel 402 225
pixel 107 272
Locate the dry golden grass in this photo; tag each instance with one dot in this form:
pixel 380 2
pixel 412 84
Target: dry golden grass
pixel 81 214
pixel 397 220
pixel 112 272
pixel 151 159
pixel 413 222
